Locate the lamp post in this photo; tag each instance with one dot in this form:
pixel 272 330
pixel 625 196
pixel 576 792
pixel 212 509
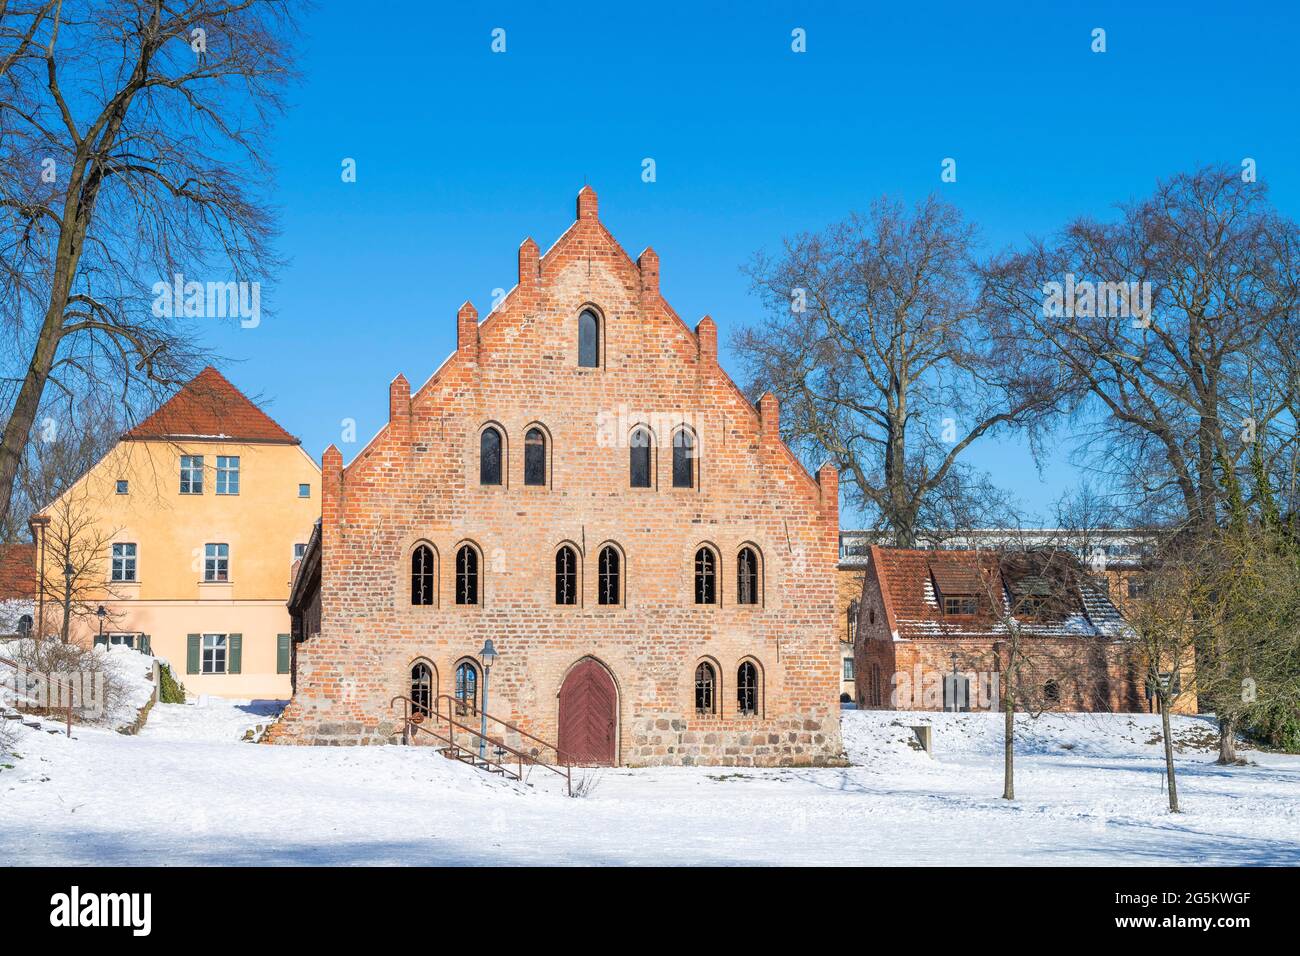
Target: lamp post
pixel 101 614
pixel 488 656
pixel 69 572
pixel 955 707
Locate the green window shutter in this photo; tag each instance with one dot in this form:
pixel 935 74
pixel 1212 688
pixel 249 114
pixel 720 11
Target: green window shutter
pixel 282 653
pixel 145 646
pixel 192 656
pixel 235 658
pixel 101 640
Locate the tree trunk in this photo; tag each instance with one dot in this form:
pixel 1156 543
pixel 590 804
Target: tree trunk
pixel 67 609
pixel 1009 746
pixel 1228 740
pixel 1169 755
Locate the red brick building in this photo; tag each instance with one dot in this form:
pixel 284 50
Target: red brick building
pixel 581 483
pixel 926 614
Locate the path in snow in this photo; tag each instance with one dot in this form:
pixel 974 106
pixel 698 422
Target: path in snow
pixel 187 791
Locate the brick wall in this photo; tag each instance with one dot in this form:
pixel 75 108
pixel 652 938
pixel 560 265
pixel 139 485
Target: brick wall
pixel 417 482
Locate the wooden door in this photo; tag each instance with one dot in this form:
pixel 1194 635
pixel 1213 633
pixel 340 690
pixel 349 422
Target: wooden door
pixel 588 709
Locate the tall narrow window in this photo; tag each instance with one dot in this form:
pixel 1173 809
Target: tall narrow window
pixel 124 562
pixel 466 688
pixel 853 619
pixel 489 457
pixel 422 575
pixel 609 583
pixel 216 562
pixel 683 459
pixel 639 458
pixel 747 576
pixel 535 457
pixel 421 688
pixel 706 577
pixel 227 474
pixel 588 339
pixel 466 575
pixel 191 474
pixel 566 576
pixel 747 689
pixel 706 689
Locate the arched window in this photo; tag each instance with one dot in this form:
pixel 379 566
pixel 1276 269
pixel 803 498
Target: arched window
pixel 609 582
pixel 566 576
pixel 683 459
pixel 421 688
pixel 489 457
pixel 25 625
pixel 588 339
pixel 535 457
pixel 706 576
pixel 747 689
pixel 639 458
pixel 422 575
pixel 853 620
pixel 706 689
pixel 747 576
pixel 466 575
pixel 466 688
pixel 1052 692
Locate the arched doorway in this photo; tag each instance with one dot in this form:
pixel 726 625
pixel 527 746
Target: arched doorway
pixel 588 715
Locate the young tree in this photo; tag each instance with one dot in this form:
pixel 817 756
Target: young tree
pixel 131 152
pixel 77 553
pixel 885 360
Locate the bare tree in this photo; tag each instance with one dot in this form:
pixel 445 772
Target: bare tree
pixel 1175 326
pixel 131 153
pixel 77 549
pixel 885 360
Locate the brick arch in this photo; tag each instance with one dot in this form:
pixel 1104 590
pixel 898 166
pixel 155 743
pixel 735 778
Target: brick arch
pixel 622 573
pixel 587 713
pixel 581 571
pixel 409 678
pixel 477 450
pixel 402 578
pixel 761 690
pixel 719 573
pixel 718 684
pixel 454 575
pixel 549 447
pixel 760 572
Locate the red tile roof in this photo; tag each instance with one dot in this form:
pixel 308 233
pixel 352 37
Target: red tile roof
pixel 208 406
pixel 913 582
pixel 17 572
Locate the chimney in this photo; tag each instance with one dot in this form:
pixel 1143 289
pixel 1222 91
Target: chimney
pixel 706 334
pixel 467 330
pixel 331 503
pixel 828 477
pixel 587 207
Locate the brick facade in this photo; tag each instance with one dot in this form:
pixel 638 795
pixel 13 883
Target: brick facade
pixel 418 482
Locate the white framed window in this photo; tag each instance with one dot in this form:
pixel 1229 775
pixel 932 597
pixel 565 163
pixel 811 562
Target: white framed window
pixel 298 551
pixel 123 567
pixel 848 668
pixel 304 491
pixel 191 474
pixel 227 474
pixel 216 562
pixel 214 653
pixel 122 640
pixel 123 486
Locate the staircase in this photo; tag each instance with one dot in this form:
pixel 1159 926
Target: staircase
pixel 8 713
pixel 463 743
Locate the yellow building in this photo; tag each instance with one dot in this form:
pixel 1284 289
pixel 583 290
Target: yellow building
pixel 185 535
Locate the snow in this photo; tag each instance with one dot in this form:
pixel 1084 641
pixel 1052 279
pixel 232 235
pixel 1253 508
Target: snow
pixel 188 791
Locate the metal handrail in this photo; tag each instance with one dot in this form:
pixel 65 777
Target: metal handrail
pixel 506 724
pixel 410 724
pixel 58 684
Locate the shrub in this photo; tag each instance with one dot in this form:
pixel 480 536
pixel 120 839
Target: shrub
pixel 170 690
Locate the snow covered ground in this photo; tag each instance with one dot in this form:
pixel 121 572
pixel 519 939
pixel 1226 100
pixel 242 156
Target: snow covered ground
pixel 188 791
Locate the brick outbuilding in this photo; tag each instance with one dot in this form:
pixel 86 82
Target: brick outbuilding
pixel 583 484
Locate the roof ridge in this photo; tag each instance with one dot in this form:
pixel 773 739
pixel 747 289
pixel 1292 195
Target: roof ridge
pixel 209 406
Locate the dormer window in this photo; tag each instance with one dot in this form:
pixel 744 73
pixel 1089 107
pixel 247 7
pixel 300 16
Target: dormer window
pixel 959 604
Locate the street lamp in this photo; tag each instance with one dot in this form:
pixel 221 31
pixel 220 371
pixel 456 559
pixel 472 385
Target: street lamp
pixel 488 656
pixel 101 614
pixel 69 572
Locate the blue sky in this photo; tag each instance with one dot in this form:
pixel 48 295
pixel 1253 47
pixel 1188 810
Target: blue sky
pixel 461 153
